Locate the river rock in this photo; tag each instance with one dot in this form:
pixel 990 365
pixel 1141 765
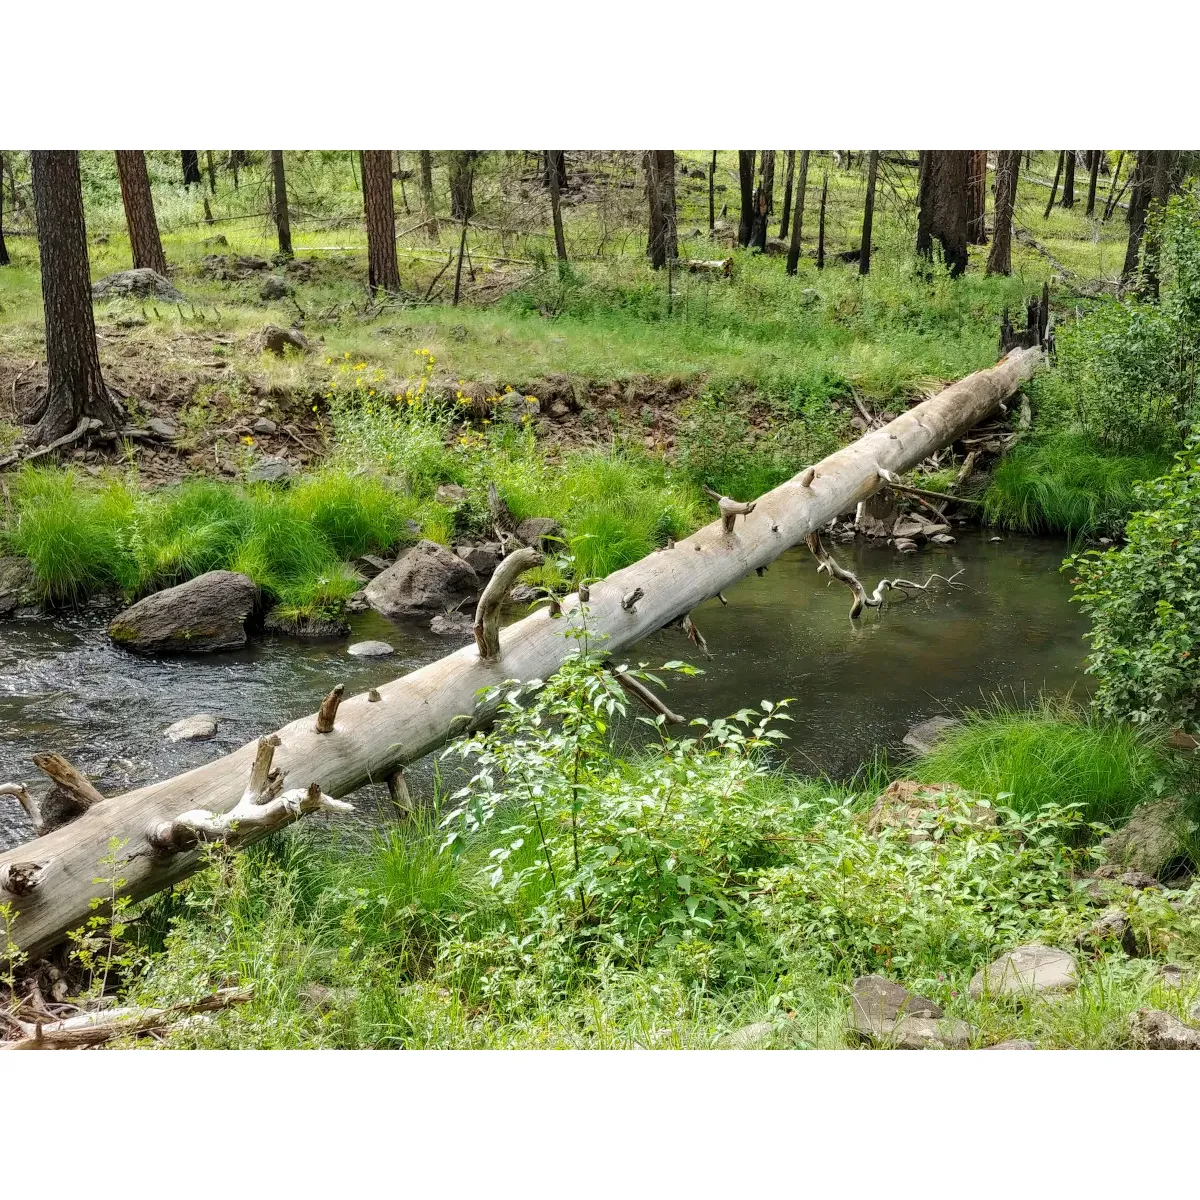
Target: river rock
pixel 887 1014
pixel 270 469
pixel 370 565
pixel 205 614
pixel 1114 927
pixel 428 579
pixel 523 593
pixel 1151 1029
pixel 371 649
pixel 483 559
pixel 1151 840
pixel 18 585
pixel 942 539
pixel 906 546
pixel 749 1037
pixel 192 729
pixel 876 515
pixel 138 281
pixel 1013 1044
pixel 534 531
pixel 923 735
pixel 358 603
pixel 450 493
pixel 452 624
pixel 311 629
pixel 1032 969
pixel 908 528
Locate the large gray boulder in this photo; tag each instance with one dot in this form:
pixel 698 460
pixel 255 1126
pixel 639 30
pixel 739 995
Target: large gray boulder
pixel 138 281
pixel 205 614
pixel 428 579
pixel 1029 970
pixel 18 585
pixel 1152 1029
pixel 887 1014
pixel 1151 840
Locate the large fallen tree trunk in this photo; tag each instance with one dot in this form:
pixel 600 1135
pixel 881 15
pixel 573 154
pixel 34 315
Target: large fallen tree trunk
pixel 366 738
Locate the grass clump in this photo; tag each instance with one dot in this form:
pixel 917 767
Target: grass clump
pixel 1053 757
pixel 1067 484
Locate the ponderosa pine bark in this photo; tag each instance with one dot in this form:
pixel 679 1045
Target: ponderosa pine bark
pixel 785 220
pixel 1093 179
pixel 821 222
pixel 4 259
pixel 977 199
pixel 283 226
pixel 74 385
pixel 1068 187
pixel 1058 170
pixel 191 167
pixel 426 159
pixel 712 198
pixel 768 178
pixel 662 242
pixel 552 180
pixel 144 241
pixel 462 184
pixel 746 187
pixel 212 172
pixel 1008 171
pixel 942 200
pixel 383 271
pixel 864 254
pixel 793 257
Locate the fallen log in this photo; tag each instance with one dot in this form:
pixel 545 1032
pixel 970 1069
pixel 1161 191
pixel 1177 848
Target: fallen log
pixel 375 733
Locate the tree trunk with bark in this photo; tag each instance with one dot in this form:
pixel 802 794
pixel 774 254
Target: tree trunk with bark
pixel 212 172
pixel 74 386
pixel 793 258
pixel 426 157
pixel 462 184
pixel 1093 179
pixel 139 211
pixel 191 167
pixel 977 199
pixel 746 188
pixel 1058 170
pixel 785 219
pixel 1068 183
pixel 1139 204
pixel 4 259
pixel 162 827
pixel 1162 185
pixel 283 225
pixel 943 206
pixel 662 244
pixel 864 254
pixel 1008 172
pixel 553 177
pixel 712 197
pixel 768 178
pixel 556 169
pixel 383 271
pixel 821 222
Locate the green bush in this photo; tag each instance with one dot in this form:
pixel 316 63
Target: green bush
pixel 1143 598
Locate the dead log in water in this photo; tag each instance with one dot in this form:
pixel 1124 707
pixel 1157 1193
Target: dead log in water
pixel 371 735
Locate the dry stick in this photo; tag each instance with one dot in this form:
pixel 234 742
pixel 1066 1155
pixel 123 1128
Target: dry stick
pixel 401 797
pixel 1113 203
pixel 20 878
pixel 730 509
pixel 486 626
pixel 433 284
pixel 68 778
pixel 966 470
pixel 641 693
pixel 28 803
pixel 462 246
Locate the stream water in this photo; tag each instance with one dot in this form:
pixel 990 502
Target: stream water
pixel 856 687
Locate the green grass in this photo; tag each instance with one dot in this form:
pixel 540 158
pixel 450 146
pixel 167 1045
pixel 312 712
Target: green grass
pixel 1051 756
pixel 1065 484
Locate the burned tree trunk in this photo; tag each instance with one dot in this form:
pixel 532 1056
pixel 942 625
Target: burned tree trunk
pixel 821 222
pixel 785 219
pixel 793 257
pixel 1054 186
pixel 139 211
pixel 191 167
pixel 977 199
pixel 1139 204
pixel 864 254
pixel 1113 195
pixel 1093 179
pixel 383 271
pixel 212 172
pixel 943 206
pixel 553 177
pixel 4 260
pixel 768 178
pixel 712 199
pixel 662 245
pixel 746 185
pixel 462 184
pixel 272 781
pixel 283 226
pixel 74 386
pixel 556 169
pixel 426 157
pixel 1008 171
pixel 1068 192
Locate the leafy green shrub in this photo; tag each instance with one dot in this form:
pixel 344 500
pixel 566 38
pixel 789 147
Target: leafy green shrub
pixel 1045 759
pixel 1066 484
pixel 1143 598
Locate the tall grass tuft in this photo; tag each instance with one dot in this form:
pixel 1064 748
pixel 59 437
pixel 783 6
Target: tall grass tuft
pixel 1051 756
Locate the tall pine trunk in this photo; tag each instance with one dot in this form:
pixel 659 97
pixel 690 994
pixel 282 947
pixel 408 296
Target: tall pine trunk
pixel 712 199
pixel 462 184
pixel 552 179
pixel 74 385
pixel 793 257
pixel 283 226
pixel 212 172
pixel 383 271
pixel 746 186
pixel 1008 171
pixel 942 199
pixel 139 211
pixel 426 157
pixel 662 243
pixel 1161 187
pixel 821 222
pixel 787 195
pixel 4 259
pixel 1139 203
pixel 1068 192
pixel 977 199
pixel 1054 186
pixel 864 255
pixel 768 178
pixel 1093 179
pixel 191 167
pixel 556 168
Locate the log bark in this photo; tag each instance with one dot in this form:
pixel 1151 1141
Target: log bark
pixel 383 270
pixel 419 712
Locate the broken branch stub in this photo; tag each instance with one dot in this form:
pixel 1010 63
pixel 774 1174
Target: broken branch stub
pixel 729 509
pixel 327 713
pixel 640 692
pixel 19 878
pixel 630 599
pixel 487 612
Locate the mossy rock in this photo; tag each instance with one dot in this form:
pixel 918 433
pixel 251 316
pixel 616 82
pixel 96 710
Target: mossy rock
pixel 205 614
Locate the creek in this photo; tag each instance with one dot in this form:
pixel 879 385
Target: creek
pixel 856 688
